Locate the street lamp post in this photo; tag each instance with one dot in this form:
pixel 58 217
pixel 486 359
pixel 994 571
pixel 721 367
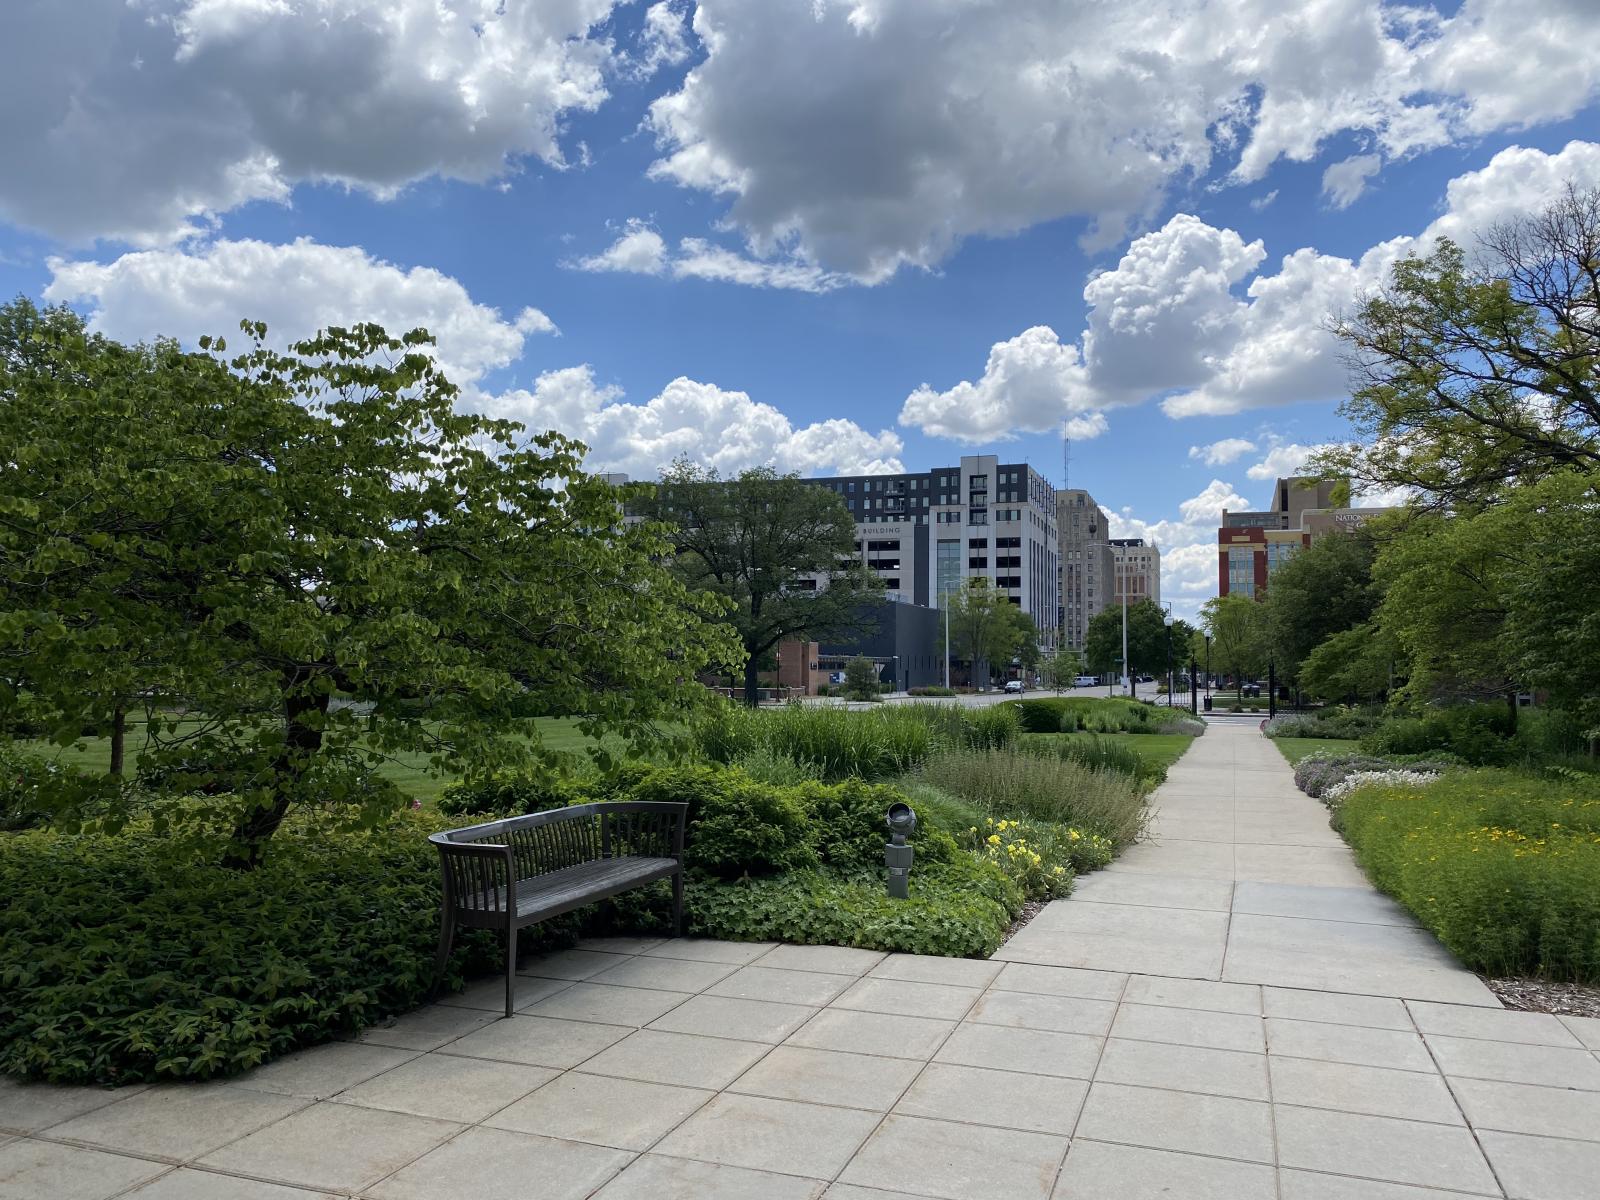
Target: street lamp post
pixel 1168 606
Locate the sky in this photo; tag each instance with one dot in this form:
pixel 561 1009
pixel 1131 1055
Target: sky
pixel 832 236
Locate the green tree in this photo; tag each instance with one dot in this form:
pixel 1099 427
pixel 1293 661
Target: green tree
pixel 1237 626
pixel 1476 376
pixel 1061 668
pixel 776 549
pixel 257 539
pixel 986 627
pixel 1500 601
pixel 860 679
pixel 1147 639
pixel 1324 589
pixel 1355 664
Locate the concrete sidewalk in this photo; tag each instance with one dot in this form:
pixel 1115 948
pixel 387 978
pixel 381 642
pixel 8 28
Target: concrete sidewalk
pixel 1228 1013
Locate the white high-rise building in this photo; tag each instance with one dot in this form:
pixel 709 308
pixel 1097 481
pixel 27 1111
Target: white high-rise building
pixel 926 533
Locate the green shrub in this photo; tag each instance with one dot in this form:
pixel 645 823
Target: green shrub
pixel 127 959
pixel 1096 714
pixel 931 691
pixel 36 791
pixel 1015 783
pixel 848 825
pixel 1503 866
pixel 743 827
pixel 1476 733
pixel 839 743
pixel 508 795
pixel 1098 754
pixel 1042 715
pixel 992 728
pixel 958 909
pixel 769 766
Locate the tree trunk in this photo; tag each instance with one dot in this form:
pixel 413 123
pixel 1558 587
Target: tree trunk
pixel 119 739
pixel 1512 701
pixel 752 683
pixel 301 742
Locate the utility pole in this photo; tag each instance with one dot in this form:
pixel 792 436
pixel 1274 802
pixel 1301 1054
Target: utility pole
pixel 1127 673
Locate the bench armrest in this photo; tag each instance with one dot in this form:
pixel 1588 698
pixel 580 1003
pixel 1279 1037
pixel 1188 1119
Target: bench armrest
pixel 473 871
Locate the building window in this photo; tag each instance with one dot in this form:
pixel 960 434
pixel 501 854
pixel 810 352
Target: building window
pixel 977 543
pixel 1279 553
pixel 1241 572
pixel 977 563
pixel 947 563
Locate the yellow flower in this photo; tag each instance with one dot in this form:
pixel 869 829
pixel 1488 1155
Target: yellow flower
pixel 994 839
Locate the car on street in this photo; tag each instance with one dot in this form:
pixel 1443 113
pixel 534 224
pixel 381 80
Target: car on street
pixel 1013 685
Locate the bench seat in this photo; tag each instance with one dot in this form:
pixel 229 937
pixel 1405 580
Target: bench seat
pixel 546 896
pixel 505 874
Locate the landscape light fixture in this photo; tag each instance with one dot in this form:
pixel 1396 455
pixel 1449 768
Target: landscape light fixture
pixel 902 822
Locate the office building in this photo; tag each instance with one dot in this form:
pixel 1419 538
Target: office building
pixel 1087 563
pixel 1137 567
pixel 927 533
pixel 1252 545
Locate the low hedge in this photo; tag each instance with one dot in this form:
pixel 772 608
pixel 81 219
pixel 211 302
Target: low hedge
pixel 957 909
pixel 124 960
pixel 1503 867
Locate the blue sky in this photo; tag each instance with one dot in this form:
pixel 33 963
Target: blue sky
pixel 825 234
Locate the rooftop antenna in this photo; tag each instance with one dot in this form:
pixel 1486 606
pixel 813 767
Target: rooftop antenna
pixel 1066 458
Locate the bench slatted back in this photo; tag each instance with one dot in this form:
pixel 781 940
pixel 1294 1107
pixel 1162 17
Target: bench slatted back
pixel 474 881
pixel 541 849
pixel 647 833
pixel 554 840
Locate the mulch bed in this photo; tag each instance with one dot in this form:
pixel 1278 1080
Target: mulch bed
pixel 1538 995
pixel 1030 910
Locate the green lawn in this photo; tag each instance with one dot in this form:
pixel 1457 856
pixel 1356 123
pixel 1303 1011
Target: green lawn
pixel 1294 749
pixel 1158 749
pixel 408 771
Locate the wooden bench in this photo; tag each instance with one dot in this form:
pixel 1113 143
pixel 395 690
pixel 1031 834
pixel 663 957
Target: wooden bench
pixel 505 874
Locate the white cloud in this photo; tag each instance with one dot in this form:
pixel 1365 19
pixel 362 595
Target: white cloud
pixel 869 134
pixel 722 429
pixel 148 117
pixel 664 39
pixel 303 286
pixel 641 250
pixel 1345 180
pixel 1033 382
pixel 1282 461
pixel 1220 454
pixel 296 289
pixel 1187 315
pixel 1261 202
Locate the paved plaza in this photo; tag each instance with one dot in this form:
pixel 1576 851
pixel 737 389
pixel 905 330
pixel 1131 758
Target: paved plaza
pixel 1227 1013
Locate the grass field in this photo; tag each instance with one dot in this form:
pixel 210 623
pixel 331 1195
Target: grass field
pixel 1158 749
pixel 1294 749
pixel 407 771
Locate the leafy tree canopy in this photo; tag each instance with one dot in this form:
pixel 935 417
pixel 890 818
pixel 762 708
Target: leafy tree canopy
pixel 1500 601
pixel 986 627
pixel 1147 639
pixel 776 549
pixel 1237 626
pixel 1477 375
pixel 258 540
pixel 1324 589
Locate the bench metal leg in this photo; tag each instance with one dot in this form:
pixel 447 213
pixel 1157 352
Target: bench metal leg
pixel 511 966
pixel 447 937
pixel 677 904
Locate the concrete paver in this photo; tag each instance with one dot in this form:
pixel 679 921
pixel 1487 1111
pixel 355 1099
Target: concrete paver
pixel 1227 1011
